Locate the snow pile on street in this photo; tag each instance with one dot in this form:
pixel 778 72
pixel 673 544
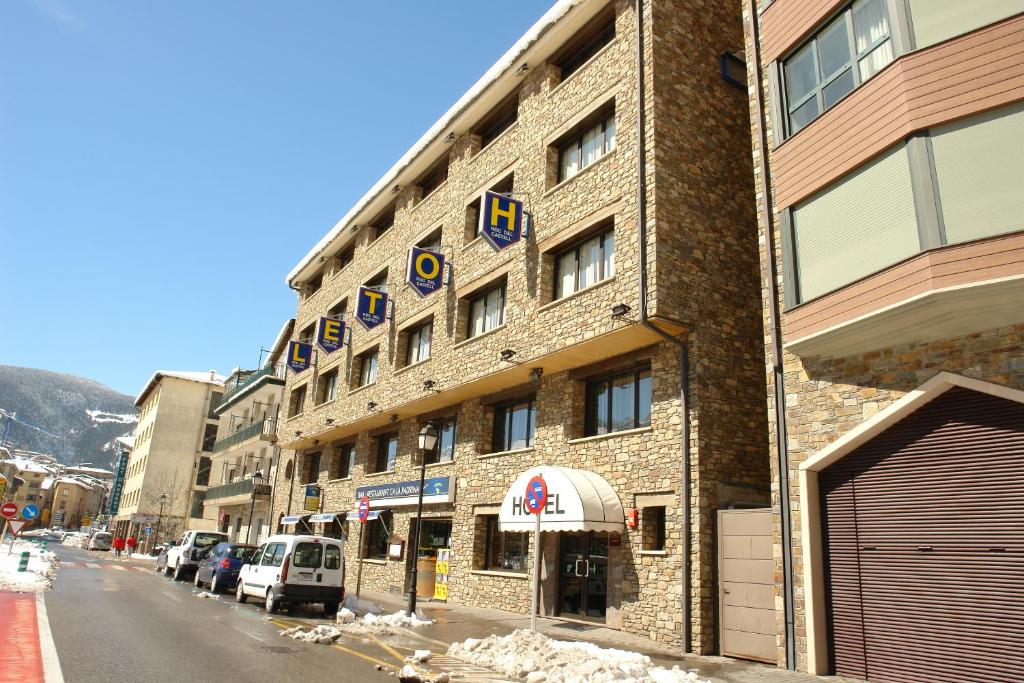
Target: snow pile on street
pixel 419 656
pixel 207 595
pixel 378 623
pixel 409 674
pixel 75 539
pixel 324 634
pixel 539 659
pixel 40 573
pixel 360 606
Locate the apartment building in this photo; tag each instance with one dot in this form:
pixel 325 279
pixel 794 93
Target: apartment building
pixel 614 349
pixel 33 470
pixel 76 500
pixel 888 140
pixel 169 467
pixel 244 458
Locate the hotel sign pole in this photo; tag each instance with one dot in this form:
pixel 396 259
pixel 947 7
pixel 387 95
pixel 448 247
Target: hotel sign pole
pixel 536 499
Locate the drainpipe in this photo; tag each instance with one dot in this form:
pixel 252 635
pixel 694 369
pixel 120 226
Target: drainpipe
pixel 684 353
pixel 775 334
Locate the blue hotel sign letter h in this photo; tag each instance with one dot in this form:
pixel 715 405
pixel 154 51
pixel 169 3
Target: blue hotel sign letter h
pixel 501 220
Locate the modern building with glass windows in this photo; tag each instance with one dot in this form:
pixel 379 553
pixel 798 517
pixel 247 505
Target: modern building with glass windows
pixel 617 342
pixel 889 153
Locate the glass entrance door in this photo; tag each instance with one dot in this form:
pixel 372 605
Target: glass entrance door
pixel 583 575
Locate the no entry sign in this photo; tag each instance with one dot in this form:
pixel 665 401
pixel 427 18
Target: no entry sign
pixel 8 510
pixel 536 495
pixel 364 509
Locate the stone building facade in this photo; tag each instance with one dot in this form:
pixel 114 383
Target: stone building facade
pixel 891 276
pixel 524 350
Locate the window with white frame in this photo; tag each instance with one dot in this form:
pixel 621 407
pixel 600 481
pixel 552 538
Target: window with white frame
pixel 585 263
pixel 418 348
pixel 327 387
pixel 585 147
pixel 368 367
pixel 849 50
pixel 486 310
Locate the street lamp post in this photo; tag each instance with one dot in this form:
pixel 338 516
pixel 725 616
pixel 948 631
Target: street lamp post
pixel 428 440
pixel 159 518
pixel 257 481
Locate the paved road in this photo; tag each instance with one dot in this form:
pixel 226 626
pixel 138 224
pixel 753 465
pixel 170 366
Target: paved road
pixel 120 621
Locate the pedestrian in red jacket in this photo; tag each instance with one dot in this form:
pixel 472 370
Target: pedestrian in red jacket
pixel 118 546
pixel 131 543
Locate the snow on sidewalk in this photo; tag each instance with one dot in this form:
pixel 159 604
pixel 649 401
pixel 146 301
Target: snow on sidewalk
pixel 348 622
pixel 539 659
pixel 41 568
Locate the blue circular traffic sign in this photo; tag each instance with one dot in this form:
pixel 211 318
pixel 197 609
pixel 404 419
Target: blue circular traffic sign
pixel 30 511
pixel 536 495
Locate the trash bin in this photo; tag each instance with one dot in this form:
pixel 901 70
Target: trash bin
pixel 425 567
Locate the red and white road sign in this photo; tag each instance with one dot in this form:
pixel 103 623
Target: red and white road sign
pixel 364 508
pixel 8 510
pixel 536 495
pixel 15 525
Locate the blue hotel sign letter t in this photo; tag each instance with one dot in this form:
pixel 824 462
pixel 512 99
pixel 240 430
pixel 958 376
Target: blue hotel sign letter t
pixel 371 307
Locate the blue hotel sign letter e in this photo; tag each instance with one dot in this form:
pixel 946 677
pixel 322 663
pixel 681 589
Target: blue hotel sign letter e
pixel 426 270
pixel 501 220
pixel 330 334
pixel 299 356
pixel 371 307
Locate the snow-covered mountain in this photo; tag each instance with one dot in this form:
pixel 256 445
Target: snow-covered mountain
pixel 72 418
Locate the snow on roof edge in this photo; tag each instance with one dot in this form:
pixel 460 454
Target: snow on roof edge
pixel 204 377
pixel 549 18
pixel 276 349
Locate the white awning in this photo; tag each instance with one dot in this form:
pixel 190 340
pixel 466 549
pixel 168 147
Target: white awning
pixel 291 519
pixel 327 517
pixel 578 500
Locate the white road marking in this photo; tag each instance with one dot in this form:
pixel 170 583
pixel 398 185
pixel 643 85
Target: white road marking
pixel 47 648
pixel 92 565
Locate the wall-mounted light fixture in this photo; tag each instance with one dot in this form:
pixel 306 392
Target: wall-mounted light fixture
pixel 450 137
pixel 522 69
pixel 536 373
pixel 620 310
pixel 506 354
pixel 329 421
pixel 298 434
pixel 396 189
pixel 429 384
pixel 371 406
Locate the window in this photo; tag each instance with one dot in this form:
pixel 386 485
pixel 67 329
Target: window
pixel 514 425
pixel 431 242
pixel 504 186
pixel 618 402
pixel 327 387
pixel 203 472
pixel 308 555
pixel 585 44
pixel 486 310
pixel 376 545
pixel 379 282
pixel 311 471
pixel 504 551
pixel 273 556
pixel 214 402
pixel 581 149
pixel 345 257
pixel 368 367
pixel 387 453
pixel 498 120
pixel 852 48
pixel 209 437
pixel 339 310
pixel 418 348
pixel 332 557
pixel 652 528
pixel 444 451
pixel 297 401
pixel 433 178
pixel 314 284
pixel 382 223
pixel 344 459
pixel 307 333
pixel 585 264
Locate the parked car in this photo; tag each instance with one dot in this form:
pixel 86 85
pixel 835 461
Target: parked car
pixel 219 565
pixel 183 555
pixel 100 541
pixel 291 569
pixel 42 534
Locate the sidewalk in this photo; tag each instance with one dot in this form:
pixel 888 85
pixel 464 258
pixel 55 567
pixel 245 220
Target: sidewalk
pixel 458 622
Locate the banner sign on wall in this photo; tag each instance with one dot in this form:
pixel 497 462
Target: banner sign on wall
pixel 435 490
pixel 312 498
pixel 371 307
pixel 501 220
pixel 425 271
pixel 300 356
pixel 330 334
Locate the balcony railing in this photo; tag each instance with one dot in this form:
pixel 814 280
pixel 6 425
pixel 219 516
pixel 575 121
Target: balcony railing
pixel 276 370
pixel 242 487
pixel 266 429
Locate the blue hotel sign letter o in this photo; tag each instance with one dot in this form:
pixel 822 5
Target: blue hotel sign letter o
pixel 371 307
pixel 299 356
pixel 501 220
pixel 426 270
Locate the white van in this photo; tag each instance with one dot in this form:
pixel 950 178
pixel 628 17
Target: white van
pixel 293 569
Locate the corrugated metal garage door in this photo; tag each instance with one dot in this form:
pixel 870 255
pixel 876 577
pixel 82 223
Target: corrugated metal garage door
pixel 924 546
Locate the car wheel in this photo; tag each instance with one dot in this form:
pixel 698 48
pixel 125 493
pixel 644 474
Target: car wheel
pixel 330 609
pixel 167 570
pixel 177 572
pixel 239 593
pixel 214 588
pixel 272 603
pixel 197 582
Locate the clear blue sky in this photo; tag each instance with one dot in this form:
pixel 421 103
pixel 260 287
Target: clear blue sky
pixel 164 164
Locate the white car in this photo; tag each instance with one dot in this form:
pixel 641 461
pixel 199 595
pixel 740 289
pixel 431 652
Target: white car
pixel 183 556
pixel 100 541
pixel 290 569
